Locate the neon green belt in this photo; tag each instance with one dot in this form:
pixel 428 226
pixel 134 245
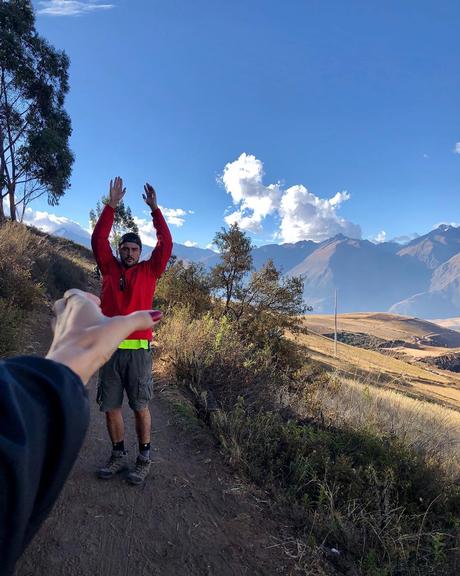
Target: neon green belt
pixel 134 344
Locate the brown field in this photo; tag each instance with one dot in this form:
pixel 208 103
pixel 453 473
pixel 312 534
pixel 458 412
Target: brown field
pixel 397 368
pixel 388 327
pixel 424 338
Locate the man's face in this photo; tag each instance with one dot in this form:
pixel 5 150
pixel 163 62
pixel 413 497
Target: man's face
pixel 129 253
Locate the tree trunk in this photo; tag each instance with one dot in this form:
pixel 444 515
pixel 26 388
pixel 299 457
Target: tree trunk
pixel 11 190
pixel 2 211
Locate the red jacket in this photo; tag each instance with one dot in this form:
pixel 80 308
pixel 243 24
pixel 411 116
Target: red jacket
pixel 139 280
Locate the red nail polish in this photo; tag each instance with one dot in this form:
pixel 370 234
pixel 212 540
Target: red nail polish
pixel 156 315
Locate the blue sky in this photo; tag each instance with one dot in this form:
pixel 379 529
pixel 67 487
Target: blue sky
pixel 298 119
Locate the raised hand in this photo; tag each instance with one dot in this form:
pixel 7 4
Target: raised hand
pixel 84 338
pixel 150 196
pixel 116 191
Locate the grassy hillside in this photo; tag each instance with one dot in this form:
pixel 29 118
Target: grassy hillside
pixel 35 270
pixel 372 367
pixel 359 467
pixel 413 331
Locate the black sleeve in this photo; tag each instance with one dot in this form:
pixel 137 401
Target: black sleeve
pixel 44 415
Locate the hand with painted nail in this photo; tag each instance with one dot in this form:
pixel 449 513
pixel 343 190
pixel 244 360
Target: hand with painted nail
pixel 84 339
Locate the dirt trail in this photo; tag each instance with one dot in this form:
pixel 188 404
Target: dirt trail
pixel 192 517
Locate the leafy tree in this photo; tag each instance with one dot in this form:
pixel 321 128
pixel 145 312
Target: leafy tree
pixel 262 304
pixel 269 293
pixel 35 158
pixel 184 284
pixel 123 221
pixel 228 276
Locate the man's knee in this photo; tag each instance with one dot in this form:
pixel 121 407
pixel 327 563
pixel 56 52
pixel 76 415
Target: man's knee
pixel 114 414
pixel 141 412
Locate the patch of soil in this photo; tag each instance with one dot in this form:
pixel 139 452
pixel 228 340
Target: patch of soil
pixel 193 516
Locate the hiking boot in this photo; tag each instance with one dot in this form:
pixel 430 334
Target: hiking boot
pixel 140 472
pixel 118 462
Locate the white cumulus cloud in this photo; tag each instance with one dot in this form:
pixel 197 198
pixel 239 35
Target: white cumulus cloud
pixel 303 215
pixel 457 148
pixel 146 231
pixel 243 181
pixel 175 216
pixel 70 7
pixel 381 237
pixel 68 228
pixel 57 225
pixel 190 244
pixel 446 224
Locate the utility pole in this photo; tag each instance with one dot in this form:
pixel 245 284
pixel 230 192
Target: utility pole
pixel 335 324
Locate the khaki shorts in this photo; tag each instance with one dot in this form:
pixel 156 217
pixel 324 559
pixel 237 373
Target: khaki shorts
pixel 130 371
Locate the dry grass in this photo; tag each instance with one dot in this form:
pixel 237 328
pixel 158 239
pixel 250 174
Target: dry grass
pixel 376 369
pixel 383 325
pixel 426 427
pixel 367 389
pixel 362 469
pixel 35 269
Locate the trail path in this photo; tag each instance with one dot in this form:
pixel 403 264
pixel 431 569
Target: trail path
pixel 192 517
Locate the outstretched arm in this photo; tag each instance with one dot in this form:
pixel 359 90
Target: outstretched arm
pixel 84 339
pixel 100 238
pixel 44 414
pixel 163 249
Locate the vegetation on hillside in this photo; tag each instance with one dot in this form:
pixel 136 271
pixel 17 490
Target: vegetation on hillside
pixel 35 270
pixel 366 493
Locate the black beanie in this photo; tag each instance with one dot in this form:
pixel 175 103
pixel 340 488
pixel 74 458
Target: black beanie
pixel 130 237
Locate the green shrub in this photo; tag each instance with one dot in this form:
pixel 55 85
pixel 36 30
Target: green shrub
pixel 372 498
pixel 184 284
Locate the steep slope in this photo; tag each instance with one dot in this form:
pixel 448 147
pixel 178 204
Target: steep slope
pixel 284 256
pixel 434 248
pixel 368 278
pixel 194 254
pixel 442 300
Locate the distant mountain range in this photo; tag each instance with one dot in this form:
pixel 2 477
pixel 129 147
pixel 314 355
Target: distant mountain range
pixel 420 278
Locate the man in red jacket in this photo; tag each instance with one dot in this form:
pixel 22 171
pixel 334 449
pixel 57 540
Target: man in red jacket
pixel 128 285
